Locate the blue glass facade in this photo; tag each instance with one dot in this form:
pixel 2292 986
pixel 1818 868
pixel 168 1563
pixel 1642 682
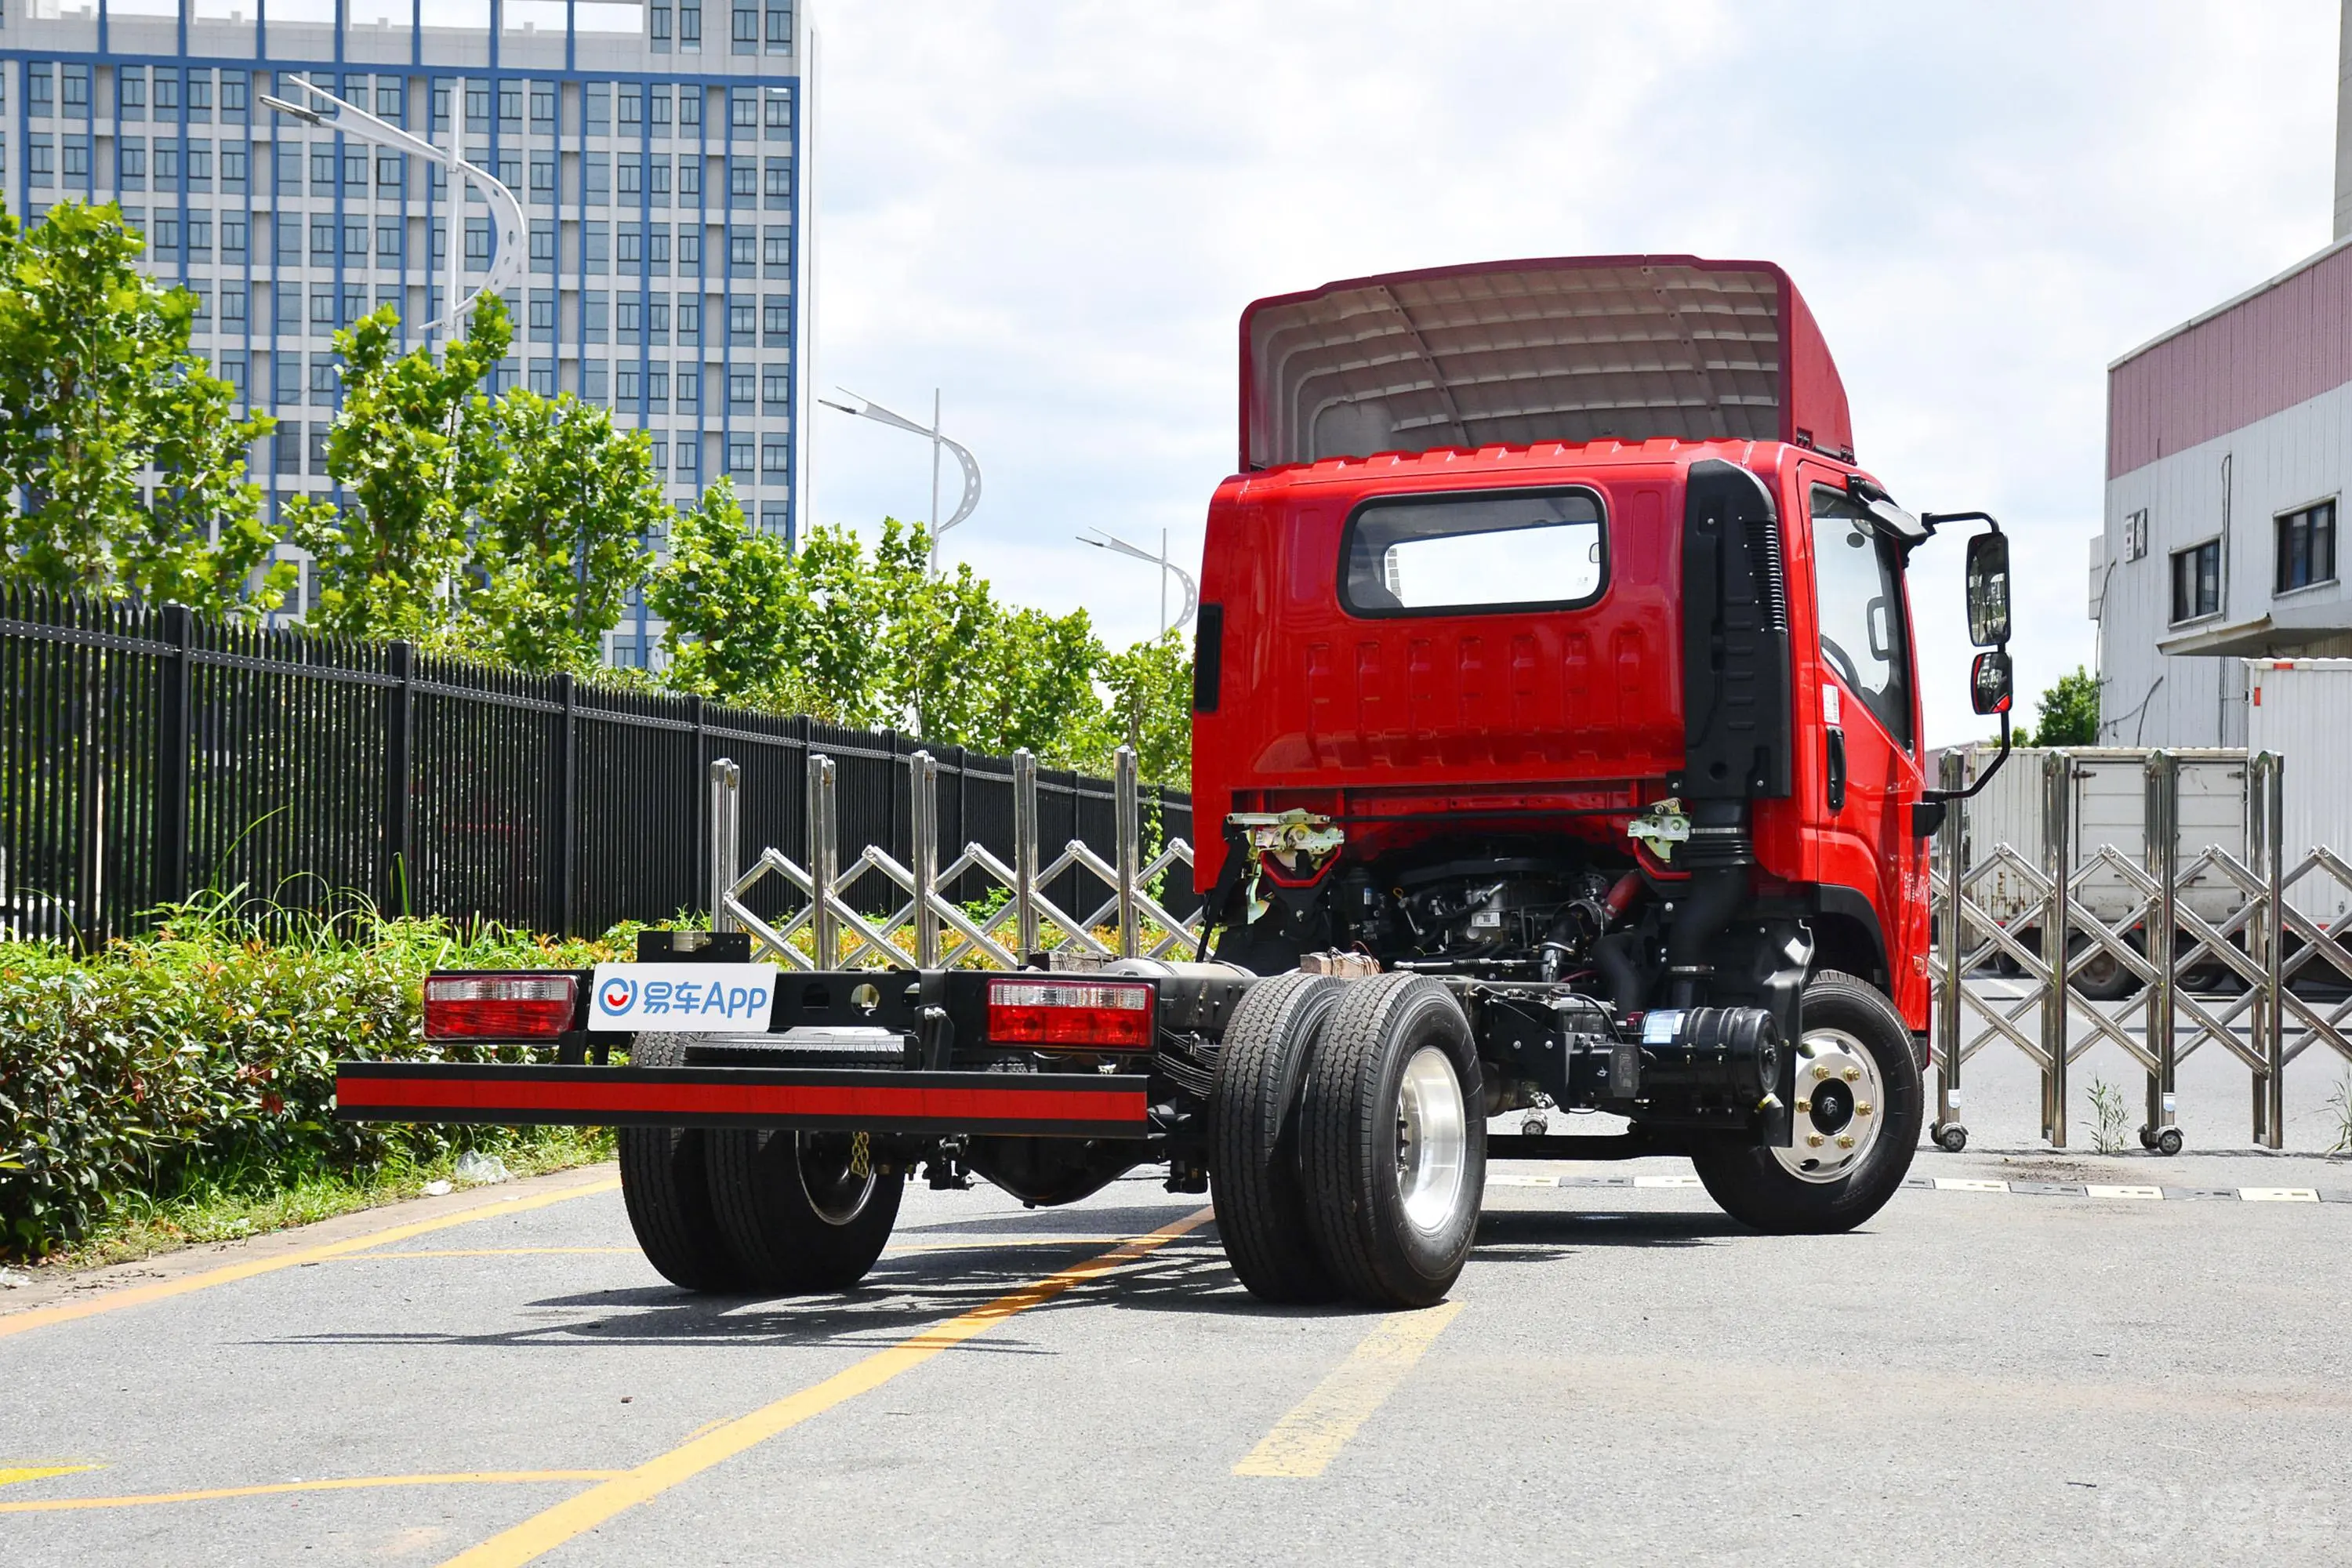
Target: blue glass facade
pixel 656 150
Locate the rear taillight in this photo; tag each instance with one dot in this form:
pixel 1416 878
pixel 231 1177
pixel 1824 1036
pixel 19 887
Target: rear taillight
pixel 500 1006
pixel 1071 1015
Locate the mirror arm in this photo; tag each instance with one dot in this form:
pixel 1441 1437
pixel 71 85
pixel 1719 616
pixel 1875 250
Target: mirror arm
pixel 1973 790
pixel 1932 520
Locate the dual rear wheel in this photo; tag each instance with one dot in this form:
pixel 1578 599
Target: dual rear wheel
pixel 741 1210
pixel 1349 1142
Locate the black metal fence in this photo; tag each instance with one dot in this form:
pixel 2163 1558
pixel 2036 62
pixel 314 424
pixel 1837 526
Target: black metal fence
pixel 150 754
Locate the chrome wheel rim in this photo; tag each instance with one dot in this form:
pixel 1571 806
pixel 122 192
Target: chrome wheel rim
pixel 837 1189
pixel 1840 1105
pixel 1433 1140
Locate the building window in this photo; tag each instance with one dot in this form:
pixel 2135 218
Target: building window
pixel 689 181
pixel 200 237
pixel 779 183
pixel 780 114
pixel 690 35
pixel 596 104
pixel 596 179
pixel 131 93
pixel 2306 547
pixel 658 248
pixel 776 251
pixel 596 310
pixel 542 246
pixel 593 378
pixel 689 389
pixel 746 37
pixel 779 31
pixel 41 161
pixel 232 237
pixel 773 449
pixel 132 161
pixel 543 108
pixel 740 385
pixel 387 242
pixel 742 253
pixel 596 247
pixel 542 316
pixel 355 239
pixel 40 93
pixel 632 246
pixel 660 115
pixel 542 176
pixel 657 318
pixel 740 456
pixel 661 29
pixel 322 241
pixel 324 381
pixel 285 449
pixel 657 395
pixel 232 302
pixel 629 317
pixel 776 320
pixel 2197 582
pixel 775 517
pixel 543 377
pixel 318 444
pixel 478 243
pixel 231 168
pixel 233 104
pixel 742 322
pixel 511 106
pixel 657 181
pixel 627 387
pixel 76 151
pixel 690 320
pixel 775 386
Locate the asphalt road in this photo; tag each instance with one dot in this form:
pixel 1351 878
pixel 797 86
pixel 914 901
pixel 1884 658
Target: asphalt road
pixel 1622 1375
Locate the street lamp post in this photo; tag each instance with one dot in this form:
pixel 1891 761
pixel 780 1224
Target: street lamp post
pixel 1112 542
pixel 867 409
pixel 323 109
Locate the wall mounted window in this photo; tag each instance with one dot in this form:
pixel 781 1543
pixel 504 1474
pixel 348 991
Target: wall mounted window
pixel 232 231
pixel 233 156
pixel 776 250
pixel 543 108
pixel 200 164
pixel 632 238
pixel 740 456
pixel 780 114
pixel 233 303
pixel 41 161
pixel 234 89
pixel 542 316
pixel 776 320
pixel 76 79
pixel 660 30
pixel 131 93
pixel 167 94
pixel 596 247
pixel 741 386
pixel 40 91
pixel 200 95
pixel 596 102
pixel 2197 582
pixel 746 40
pixel 690 181
pixel 689 105
pixel 2306 547
pixel 510 106
pixel 689 388
pixel 131 164
pixel 478 109
pixel 779 183
pixel 633 109
pixel 690 35
pixel 596 179
pixel 657 103
pixel 743 324
pixel 780 30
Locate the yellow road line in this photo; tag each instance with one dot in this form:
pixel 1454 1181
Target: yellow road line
pixel 354 1483
pixel 1002 1241
pixel 139 1295
pixel 487 1252
pixel 9 1478
pixel 593 1506
pixel 1305 1441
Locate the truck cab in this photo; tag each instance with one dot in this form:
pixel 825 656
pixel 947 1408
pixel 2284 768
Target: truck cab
pixel 1444 610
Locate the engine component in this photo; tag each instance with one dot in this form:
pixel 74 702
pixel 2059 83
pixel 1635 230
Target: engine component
pixel 1724 1060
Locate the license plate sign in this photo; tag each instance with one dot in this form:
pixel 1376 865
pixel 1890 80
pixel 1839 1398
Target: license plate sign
pixel 682 998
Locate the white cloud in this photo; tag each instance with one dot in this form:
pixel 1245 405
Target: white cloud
pixel 1057 213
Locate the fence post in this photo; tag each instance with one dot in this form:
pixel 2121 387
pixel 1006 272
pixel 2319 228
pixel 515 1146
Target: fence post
pixel 696 781
pixel 562 823
pixel 824 858
pixel 1025 852
pixel 923 847
pixel 1127 825
pixel 399 769
pixel 1954 776
pixel 174 744
pixel 2162 841
pixel 2058 863
pixel 2268 810
pixel 726 778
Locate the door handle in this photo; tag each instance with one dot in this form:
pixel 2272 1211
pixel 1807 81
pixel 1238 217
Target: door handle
pixel 1837 770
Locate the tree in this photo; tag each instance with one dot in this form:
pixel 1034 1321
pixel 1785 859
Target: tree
pixel 387 564
pixel 97 388
pixel 2068 713
pixel 726 598
pixel 1151 709
pixel 561 504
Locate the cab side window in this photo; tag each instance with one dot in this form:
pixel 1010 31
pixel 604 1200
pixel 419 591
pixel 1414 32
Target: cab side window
pixel 1858 600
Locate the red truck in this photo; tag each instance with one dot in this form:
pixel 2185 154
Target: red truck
pixel 1557 745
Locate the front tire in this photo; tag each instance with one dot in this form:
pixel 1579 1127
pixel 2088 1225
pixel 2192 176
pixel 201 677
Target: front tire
pixel 1253 1176
pixel 797 1210
pixel 1856 1079
pixel 1393 1141
pixel 666 1189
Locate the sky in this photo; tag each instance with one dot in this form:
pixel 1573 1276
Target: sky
pixel 1054 212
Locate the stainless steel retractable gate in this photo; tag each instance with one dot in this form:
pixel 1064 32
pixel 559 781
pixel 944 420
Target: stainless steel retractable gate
pixel 2205 952
pixel 945 932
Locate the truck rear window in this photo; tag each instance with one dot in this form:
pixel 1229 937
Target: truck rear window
pixel 1515 550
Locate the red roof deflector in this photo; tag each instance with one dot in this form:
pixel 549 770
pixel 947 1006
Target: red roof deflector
pixel 1513 353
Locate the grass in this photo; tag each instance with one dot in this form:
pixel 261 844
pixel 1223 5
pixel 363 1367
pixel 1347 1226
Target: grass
pixel 2111 1117
pixel 232 1210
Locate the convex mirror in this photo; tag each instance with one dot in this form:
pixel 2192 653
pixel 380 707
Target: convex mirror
pixel 1989 682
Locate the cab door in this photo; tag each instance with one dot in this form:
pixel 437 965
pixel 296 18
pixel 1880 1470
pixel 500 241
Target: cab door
pixel 1869 770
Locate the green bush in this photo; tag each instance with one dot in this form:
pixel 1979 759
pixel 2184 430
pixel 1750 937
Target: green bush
pixel 204 1054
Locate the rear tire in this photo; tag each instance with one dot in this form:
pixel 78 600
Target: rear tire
pixel 1254 1138
pixel 1757 1185
pixel 1393 1141
pixel 665 1187
pixel 795 1214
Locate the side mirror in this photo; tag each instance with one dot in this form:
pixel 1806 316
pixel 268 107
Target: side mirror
pixel 1988 595
pixel 1989 682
